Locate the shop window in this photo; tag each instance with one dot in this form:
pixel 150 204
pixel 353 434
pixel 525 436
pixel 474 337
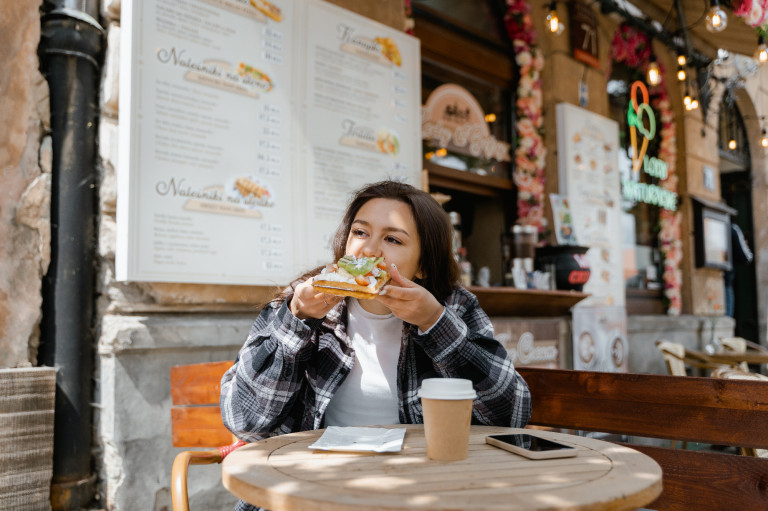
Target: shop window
pixel 477 19
pixel 732 141
pixel 464 47
pixel 640 220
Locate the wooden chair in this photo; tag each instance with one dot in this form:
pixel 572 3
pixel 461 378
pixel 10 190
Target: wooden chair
pixel 707 410
pixel 679 358
pixel 196 422
pixel 741 345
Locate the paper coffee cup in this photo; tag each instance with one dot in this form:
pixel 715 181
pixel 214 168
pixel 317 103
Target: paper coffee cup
pixel 447 408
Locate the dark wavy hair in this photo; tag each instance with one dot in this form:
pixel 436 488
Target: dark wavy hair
pixel 439 268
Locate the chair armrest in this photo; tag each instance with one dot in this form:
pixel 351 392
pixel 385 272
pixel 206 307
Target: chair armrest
pixel 179 495
pixel 226 449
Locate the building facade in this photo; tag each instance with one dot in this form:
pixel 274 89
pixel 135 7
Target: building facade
pixel 140 330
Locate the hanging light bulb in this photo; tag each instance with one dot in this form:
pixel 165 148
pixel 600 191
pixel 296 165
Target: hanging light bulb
pixel 690 102
pixel 732 144
pixel 681 60
pixel 654 73
pixel 490 118
pixel 761 52
pixel 681 74
pixel 553 21
pixel 764 139
pixel 717 20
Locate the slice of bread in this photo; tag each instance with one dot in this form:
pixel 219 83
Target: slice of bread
pixel 344 289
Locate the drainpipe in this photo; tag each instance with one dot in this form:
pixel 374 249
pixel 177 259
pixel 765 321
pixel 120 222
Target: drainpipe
pixel 70 54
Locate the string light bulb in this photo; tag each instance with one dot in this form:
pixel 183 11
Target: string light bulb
pixel 681 60
pixel 681 74
pixel 553 21
pixel 761 52
pixel 717 20
pixel 490 118
pixel 689 101
pixel 654 73
pixel 732 144
pixel 764 139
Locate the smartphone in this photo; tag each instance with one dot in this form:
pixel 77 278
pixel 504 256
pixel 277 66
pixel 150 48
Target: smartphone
pixel 530 446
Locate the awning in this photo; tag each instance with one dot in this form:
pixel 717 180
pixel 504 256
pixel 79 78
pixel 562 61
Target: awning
pixel 737 37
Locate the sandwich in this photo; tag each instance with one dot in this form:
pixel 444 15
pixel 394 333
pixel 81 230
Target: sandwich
pixel 359 277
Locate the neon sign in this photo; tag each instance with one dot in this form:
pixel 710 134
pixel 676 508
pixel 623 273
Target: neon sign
pixel 642 121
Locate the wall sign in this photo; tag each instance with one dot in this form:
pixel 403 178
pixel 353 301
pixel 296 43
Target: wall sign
pixel 245 126
pixel 587 160
pixel 708 178
pixel 583 29
pixel 600 339
pixel 712 234
pixel 453 119
pixel 642 129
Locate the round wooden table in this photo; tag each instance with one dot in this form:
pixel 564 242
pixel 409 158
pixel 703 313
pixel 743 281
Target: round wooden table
pixel 282 474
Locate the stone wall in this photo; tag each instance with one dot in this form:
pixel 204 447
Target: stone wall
pixel 25 177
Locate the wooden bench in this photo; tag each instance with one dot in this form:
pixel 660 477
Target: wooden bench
pixel 196 422
pixel 706 410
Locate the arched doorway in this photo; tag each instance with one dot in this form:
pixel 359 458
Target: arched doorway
pixel 736 183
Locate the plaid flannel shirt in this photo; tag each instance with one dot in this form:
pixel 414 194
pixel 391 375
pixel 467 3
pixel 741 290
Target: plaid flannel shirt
pixel 289 369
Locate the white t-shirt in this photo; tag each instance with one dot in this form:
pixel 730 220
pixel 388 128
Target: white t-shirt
pixel 368 395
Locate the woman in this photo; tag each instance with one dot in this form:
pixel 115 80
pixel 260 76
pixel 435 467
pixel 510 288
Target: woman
pixel 314 360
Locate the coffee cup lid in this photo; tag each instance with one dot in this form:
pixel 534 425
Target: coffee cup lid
pixel 447 388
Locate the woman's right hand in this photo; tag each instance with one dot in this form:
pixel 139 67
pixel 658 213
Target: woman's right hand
pixel 308 303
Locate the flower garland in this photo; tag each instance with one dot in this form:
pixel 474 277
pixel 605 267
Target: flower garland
pixel 633 48
pixel 530 153
pixel 409 21
pixel 753 12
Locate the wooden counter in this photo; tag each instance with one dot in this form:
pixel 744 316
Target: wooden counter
pixel 510 301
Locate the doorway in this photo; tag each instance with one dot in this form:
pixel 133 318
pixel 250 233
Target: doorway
pixel 736 191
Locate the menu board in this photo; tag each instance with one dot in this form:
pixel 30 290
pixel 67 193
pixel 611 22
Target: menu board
pixel 244 128
pixel 587 146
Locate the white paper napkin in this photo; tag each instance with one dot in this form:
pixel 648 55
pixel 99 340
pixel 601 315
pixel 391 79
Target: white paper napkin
pixel 337 438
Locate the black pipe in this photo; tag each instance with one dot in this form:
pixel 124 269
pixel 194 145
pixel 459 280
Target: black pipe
pixel 70 54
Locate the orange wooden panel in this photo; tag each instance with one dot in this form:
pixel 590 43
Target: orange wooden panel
pixel 197 384
pixel 198 427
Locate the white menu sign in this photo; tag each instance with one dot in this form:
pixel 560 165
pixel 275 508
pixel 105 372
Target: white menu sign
pixel 245 126
pixel 587 146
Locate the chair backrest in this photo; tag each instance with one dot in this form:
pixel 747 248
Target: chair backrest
pixel 737 345
pixel 678 358
pixel 674 356
pixel 195 414
pixel 707 410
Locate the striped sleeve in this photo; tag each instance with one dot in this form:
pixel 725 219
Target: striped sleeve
pixel 257 393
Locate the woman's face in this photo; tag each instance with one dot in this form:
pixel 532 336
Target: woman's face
pixel 386 228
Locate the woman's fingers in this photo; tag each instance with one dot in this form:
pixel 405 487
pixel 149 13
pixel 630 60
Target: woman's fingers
pixel 398 279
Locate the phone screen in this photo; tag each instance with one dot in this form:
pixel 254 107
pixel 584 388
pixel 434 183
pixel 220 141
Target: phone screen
pixel 532 443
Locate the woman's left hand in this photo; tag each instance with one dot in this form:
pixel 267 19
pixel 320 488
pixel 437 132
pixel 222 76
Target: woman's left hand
pixel 410 302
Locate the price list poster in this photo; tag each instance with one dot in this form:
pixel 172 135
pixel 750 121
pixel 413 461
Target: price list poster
pixel 363 112
pixel 214 134
pixel 589 176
